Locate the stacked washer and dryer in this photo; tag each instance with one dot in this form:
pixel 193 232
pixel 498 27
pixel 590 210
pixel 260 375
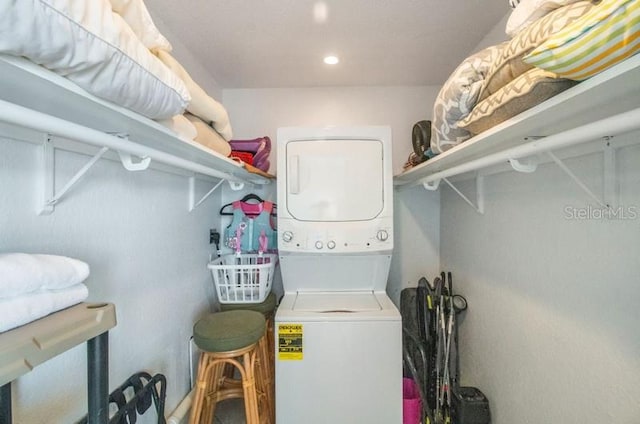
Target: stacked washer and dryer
pixel 339 336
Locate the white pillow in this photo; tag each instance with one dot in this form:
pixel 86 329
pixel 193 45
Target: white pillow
pixel 135 13
pixel 95 48
pixel 528 11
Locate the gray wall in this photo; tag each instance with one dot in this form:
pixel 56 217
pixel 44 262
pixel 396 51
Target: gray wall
pixel 147 255
pixel 551 334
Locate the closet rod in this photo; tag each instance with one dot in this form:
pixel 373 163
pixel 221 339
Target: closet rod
pixel 32 119
pixel 611 126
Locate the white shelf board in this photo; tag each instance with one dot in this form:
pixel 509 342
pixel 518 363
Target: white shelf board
pixel 29 345
pixel 28 85
pixel 607 94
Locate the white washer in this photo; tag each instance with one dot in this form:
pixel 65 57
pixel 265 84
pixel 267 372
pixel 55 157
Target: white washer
pixel 338 335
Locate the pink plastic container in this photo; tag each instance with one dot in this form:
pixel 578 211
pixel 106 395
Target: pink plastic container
pixel 411 403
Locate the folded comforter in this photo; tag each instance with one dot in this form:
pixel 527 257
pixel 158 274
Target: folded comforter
pixel 19 310
pixel 208 136
pixel 201 105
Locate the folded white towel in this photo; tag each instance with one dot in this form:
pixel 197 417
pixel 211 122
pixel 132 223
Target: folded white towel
pixel 20 310
pixel 22 273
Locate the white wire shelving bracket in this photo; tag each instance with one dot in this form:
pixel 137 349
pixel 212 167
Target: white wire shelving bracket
pixel 521 158
pixel 127 150
pixel 577 180
pixel 48 172
pixel 192 191
pixel 610 170
pixel 478 206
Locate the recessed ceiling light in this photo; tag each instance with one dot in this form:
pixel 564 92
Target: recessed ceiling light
pixel 331 60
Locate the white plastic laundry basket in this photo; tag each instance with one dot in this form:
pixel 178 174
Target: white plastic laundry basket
pixel 244 278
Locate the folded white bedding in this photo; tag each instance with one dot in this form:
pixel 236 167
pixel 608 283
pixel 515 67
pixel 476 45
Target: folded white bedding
pixel 22 273
pixel 180 125
pixel 207 136
pixel 202 105
pixel 90 45
pixel 20 310
pixel 136 14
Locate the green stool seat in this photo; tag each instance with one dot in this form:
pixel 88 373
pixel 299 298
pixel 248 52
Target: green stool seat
pixel 266 308
pixel 228 331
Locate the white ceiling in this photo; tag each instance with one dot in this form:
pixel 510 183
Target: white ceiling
pixel 281 43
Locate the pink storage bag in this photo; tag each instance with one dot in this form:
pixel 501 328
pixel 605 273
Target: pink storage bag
pixel 411 403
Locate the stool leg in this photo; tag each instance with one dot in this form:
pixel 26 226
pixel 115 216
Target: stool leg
pixel 249 387
pixel 212 395
pixel 264 371
pixel 208 388
pixel 201 388
pixel 272 366
pixel 271 345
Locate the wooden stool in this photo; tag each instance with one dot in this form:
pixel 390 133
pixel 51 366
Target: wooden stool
pixel 235 338
pixel 266 349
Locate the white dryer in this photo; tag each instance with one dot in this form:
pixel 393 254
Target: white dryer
pixel 339 337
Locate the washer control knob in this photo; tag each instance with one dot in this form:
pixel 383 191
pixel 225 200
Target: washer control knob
pixel 331 244
pixel 382 235
pixel 319 244
pixel 287 236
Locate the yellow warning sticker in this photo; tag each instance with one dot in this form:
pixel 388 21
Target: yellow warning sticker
pixel 290 342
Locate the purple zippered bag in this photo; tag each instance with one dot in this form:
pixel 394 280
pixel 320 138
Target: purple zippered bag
pixel 260 148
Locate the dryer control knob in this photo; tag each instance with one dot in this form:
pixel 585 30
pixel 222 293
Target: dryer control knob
pixel 331 244
pixel 382 235
pixel 287 236
pixel 319 244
